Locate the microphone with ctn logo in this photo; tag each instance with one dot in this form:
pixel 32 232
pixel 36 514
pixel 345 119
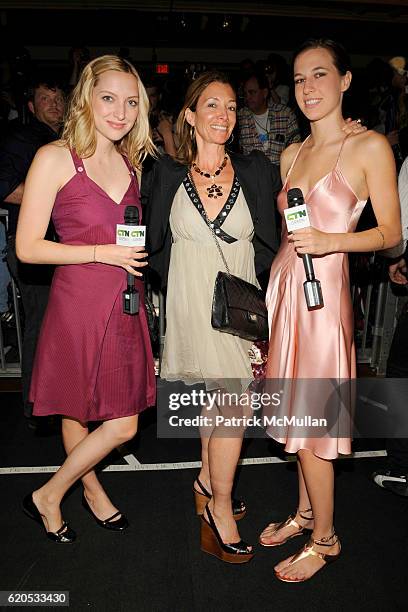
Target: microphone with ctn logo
pixel 130 296
pixel 296 218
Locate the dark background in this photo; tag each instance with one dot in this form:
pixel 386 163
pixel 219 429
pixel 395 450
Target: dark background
pixel 365 27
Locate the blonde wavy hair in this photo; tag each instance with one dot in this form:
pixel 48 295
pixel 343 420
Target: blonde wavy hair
pixel 187 149
pixel 79 128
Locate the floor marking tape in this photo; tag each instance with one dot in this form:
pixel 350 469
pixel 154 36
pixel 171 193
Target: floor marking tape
pixel 133 465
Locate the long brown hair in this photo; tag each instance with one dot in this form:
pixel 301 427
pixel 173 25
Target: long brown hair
pixel 187 149
pixel 79 128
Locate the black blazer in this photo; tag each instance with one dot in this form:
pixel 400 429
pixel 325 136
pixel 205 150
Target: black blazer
pixel 260 181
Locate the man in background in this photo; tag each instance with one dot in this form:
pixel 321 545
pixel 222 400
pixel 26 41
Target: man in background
pixel 263 124
pixel 393 476
pixel 46 103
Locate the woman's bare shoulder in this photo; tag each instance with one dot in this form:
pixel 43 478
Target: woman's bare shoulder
pixel 289 153
pixel 53 163
pixel 369 152
pixel 368 142
pixel 55 151
pixel 53 158
pixel 287 157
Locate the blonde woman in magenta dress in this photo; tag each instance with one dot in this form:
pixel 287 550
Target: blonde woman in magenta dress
pixel 93 362
pixel 336 174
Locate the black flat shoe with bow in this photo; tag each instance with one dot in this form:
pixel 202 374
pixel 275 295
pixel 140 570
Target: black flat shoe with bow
pixel 64 535
pixel 119 525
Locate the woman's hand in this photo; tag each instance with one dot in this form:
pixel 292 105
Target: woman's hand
pixel 398 272
pixel 125 257
pixel 312 241
pixel 353 126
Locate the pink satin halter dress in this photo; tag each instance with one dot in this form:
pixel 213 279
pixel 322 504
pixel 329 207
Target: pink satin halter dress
pixel 317 344
pixel 93 363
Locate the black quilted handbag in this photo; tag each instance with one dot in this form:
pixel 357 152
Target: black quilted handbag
pixel 238 307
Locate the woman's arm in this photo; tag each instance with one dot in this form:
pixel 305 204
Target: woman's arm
pixel 403 197
pixel 378 166
pixel 43 182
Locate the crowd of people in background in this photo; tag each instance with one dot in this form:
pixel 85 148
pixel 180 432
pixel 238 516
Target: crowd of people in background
pixel 379 96
pixel 32 103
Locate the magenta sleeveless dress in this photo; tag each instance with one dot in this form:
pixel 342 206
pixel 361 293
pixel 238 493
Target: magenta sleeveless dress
pixel 315 344
pixel 93 363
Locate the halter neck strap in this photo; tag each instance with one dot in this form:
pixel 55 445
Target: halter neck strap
pixel 301 147
pixel 295 159
pixel 78 163
pixel 341 149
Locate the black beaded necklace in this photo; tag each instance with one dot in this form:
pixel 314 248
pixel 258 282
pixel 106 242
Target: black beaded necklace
pixel 214 191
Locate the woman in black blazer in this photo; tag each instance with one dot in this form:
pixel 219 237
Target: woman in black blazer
pixel 234 193
pixel 260 182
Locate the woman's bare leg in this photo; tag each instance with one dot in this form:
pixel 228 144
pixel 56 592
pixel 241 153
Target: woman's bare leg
pixel 319 479
pixel 223 454
pixel 74 432
pixel 270 536
pixel 220 454
pixel 205 435
pixel 83 457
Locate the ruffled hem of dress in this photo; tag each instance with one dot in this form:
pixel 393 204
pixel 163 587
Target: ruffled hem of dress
pixel 211 383
pixel 293 449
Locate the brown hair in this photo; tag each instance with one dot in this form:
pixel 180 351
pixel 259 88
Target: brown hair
pixel 338 53
pixel 187 148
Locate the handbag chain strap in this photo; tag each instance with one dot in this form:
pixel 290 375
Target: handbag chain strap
pixel 207 220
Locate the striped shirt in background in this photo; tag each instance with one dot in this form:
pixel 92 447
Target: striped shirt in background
pixel 283 129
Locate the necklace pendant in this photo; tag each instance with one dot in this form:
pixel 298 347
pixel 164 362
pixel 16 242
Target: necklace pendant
pixel 215 191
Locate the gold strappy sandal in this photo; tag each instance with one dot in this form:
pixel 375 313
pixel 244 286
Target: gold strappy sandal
pixel 308 551
pixel 290 522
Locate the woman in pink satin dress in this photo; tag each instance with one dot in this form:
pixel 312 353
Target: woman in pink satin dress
pixel 312 348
